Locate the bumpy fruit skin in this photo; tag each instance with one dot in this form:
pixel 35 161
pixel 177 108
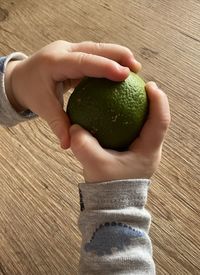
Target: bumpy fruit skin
pixel 113 112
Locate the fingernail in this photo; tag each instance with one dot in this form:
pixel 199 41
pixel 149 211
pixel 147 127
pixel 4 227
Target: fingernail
pixel 122 68
pixel 153 84
pixel 74 128
pixel 64 146
pixel 126 70
pixel 137 63
pixel 64 143
pixel 123 72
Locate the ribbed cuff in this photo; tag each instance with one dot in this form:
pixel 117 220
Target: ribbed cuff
pixel 114 194
pixel 8 115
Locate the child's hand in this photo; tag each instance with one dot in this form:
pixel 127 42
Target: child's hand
pixel 33 83
pixel 143 156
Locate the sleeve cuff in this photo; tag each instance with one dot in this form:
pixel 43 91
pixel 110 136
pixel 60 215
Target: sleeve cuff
pixel 8 115
pixel 114 194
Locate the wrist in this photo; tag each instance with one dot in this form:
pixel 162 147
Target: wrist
pixel 11 80
pixel 120 171
pixel 114 194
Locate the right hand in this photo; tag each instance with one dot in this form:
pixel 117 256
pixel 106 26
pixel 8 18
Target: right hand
pixel 143 156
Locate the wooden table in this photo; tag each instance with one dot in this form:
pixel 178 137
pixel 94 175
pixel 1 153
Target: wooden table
pixel 39 203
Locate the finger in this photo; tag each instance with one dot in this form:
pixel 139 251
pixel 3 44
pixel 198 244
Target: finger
pixel 155 128
pixel 59 92
pixel 57 119
pixel 118 53
pixel 60 124
pixel 85 147
pixel 61 127
pixel 76 65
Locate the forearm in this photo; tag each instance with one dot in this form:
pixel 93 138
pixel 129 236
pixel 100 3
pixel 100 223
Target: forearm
pixel 115 226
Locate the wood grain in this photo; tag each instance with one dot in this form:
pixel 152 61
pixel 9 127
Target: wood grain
pixel 39 202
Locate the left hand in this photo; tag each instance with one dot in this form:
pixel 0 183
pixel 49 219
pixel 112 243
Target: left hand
pixel 32 83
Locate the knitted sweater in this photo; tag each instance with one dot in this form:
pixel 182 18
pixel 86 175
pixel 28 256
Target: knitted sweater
pixel 113 220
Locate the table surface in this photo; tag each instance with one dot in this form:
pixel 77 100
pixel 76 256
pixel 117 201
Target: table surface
pixel 39 203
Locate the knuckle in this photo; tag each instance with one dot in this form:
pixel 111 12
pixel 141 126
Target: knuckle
pixel 47 58
pixel 165 121
pixel 54 124
pixel 52 53
pixel 82 58
pixel 61 44
pixel 127 51
pixel 60 41
pixel 99 46
pixel 86 42
pixel 166 116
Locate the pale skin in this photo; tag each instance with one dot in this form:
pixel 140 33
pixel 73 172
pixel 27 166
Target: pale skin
pixel 142 158
pixel 32 84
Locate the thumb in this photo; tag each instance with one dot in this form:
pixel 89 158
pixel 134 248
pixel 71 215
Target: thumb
pixel 55 116
pixel 85 147
pixel 59 123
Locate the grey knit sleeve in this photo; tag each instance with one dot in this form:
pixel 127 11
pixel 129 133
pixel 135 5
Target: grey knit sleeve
pixel 115 228
pixel 8 116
